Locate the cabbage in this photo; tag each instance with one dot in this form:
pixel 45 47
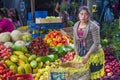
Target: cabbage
pixel 16 35
pixel 20 43
pixel 8 44
pixel 5 37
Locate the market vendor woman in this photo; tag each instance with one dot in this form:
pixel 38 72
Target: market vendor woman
pixel 5 24
pixel 87 43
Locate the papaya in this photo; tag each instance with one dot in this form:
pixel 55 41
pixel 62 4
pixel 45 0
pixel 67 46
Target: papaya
pixel 14 58
pixel 17 53
pixel 27 68
pixel 33 64
pixel 24 58
pixel 13 68
pixel 21 70
pixel 21 62
pixel 19 48
pixel 9 63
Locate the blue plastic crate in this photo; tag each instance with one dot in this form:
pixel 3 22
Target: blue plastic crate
pixel 38 14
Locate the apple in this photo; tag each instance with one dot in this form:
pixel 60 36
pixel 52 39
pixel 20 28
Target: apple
pixel 107 70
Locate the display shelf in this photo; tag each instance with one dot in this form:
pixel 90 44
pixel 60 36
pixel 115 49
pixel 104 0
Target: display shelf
pixel 45 27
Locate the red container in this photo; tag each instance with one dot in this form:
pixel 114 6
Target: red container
pixel 21 77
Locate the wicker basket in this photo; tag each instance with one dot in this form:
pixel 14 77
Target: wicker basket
pixel 77 71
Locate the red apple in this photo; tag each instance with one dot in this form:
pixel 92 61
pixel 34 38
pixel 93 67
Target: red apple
pixel 107 70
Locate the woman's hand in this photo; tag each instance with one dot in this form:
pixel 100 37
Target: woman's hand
pixel 85 59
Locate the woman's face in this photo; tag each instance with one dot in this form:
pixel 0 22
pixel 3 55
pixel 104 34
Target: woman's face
pixel 83 16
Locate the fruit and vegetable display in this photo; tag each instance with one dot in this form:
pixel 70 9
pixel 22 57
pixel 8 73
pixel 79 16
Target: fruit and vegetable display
pixel 20 54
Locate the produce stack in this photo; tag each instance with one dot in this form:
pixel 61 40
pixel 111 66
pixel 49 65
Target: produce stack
pixel 5 71
pixel 112 66
pixel 56 38
pixel 21 54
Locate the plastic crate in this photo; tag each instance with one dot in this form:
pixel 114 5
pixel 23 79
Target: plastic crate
pixel 51 26
pixel 59 75
pixel 21 77
pixel 38 14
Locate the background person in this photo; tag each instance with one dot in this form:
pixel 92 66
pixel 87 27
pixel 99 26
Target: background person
pixel 5 24
pixel 87 37
pixel 13 14
pixel 61 6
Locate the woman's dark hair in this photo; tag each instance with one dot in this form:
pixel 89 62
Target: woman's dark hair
pixel 84 8
pixel 13 14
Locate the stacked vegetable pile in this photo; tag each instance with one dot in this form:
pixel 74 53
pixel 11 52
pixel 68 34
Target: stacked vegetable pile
pixel 112 66
pixel 55 38
pixel 38 47
pixel 27 63
pixel 5 52
pixel 4 71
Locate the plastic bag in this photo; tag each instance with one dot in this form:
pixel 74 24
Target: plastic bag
pixel 109 16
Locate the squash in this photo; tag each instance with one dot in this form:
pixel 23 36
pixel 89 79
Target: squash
pixel 5 37
pixel 16 35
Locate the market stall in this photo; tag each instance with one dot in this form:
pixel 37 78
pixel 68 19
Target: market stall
pixel 47 58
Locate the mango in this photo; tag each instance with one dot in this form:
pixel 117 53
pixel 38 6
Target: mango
pixel 21 70
pixel 13 68
pixel 9 63
pixel 24 58
pixel 38 59
pixel 14 58
pixel 17 53
pixel 32 57
pixel 28 68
